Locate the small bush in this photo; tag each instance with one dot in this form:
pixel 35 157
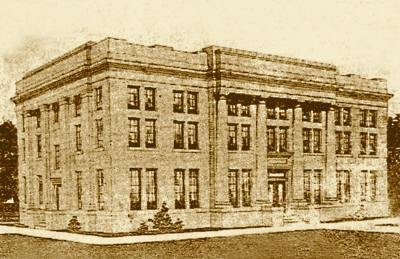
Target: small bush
pixel 74 225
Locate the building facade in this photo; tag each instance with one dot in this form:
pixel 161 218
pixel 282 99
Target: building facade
pixel 225 137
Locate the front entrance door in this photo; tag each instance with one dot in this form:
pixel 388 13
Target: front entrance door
pixel 277 193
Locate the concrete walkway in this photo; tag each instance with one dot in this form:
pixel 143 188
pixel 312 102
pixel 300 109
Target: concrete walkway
pixel 366 225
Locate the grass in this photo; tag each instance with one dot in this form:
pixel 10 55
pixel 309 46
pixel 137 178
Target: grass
pixel 299 244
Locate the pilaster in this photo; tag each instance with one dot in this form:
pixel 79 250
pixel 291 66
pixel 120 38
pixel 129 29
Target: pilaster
pixel 330 152
pixel 298 183
pixel 261 154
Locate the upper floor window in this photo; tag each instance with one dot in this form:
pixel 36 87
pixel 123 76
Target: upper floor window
pixel 343 142
pixel 271 113
pixel 38 119
pixel 56 112
pixel 283 146
pixel 369 142
pixel 245 109
pixel 23 149
pixel 271 139
pixel 39 145
pixel 232 109
pixel 77 104
pixel 98 92
pixel 192 102
pixel 150 133
pixel 178 137
pixel 57 157
pixel 312 140
pixel 311 115
pixel 78 139
pixel 232 136
pixel 134 132
pixel 99 133
pixel 23 122
pixel 346 116
pixel 193 142
pixel 245 137
pixel 368 118
pixel 342 116
pixel 150 99
pixel 283 113
pixel 133 97
pixel 178 101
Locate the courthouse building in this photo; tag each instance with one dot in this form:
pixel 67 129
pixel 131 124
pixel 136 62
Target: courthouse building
pixel 226 137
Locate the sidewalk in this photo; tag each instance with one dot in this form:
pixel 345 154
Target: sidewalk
pixel 366 225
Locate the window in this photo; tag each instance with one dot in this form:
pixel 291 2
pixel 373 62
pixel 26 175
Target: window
pixel 98 97
pixel 307 140
pixel 134 132
pixel 57 157
pixel 337 116
pixel 56 112
pixel 368 184
pixel 245 137
pixel 179 184
pixel 150 99
pixel 364 185
pixel 271 113
pixel 79 189
pixel 312 186
pixel 38 119
pixel 78 139
pixel 178 101
pixel 307 186
pixel 338 137
pixel 23 123
pixel 193 142
pixel 368 118
pixel 346 142
pixel 283 139
pixel 151 189
pixel 40 189
pixel 245 110
pixel 133 97
pixel 246 188
pixel 99 133
pixel 192 102
pixel 232 109
pixel 25 190
pixel 311 115
pixel 100 189
pixel 363 139
pixel 372 143
pixel 316 116
pixel 317 140
pixel 306 115
pixel 77 104
pixel 346 117
pixel 283 113
pixel 232 136
pixel 271 139
pixel 317 186
pixel 56 194
pixel 135 189
pixel 150 133
pixel 343 186
pixel 23 150
pixel 194 188
pixel 233 188
pixel 39 145
pixel 178 138
pixel 373 184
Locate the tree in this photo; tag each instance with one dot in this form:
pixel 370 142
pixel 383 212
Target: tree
pixel 394 163
pixel 8 162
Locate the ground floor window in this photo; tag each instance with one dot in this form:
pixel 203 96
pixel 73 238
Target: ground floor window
pixel 100 189
pixel 368 185
pixel 233 188
pixel 194 188
pixel 179 185
pixel 151 189
pixel 246 188
pixel 79 189
pixel 135 189
pixel 312 186
pixel 40 188
pixel 343 186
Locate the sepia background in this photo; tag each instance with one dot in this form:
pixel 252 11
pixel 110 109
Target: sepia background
pixel 361 36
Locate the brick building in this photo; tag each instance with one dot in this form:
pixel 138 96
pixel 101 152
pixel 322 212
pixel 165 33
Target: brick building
pixel 227 138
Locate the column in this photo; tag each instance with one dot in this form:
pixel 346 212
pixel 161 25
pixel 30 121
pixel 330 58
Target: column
pixel 221 175
pixel 261 154
pixel 297 174
pixel 330 169
pixel 45 115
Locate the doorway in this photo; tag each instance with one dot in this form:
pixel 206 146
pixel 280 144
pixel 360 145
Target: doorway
pixel 277 193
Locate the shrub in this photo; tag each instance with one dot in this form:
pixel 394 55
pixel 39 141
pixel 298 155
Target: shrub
pixel 74 225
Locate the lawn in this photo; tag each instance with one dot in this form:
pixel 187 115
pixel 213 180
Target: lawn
pixel 299 244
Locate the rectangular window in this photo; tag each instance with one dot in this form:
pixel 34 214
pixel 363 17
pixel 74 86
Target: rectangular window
pixel 346 117
pixel 346 142
pixel 79 189
pixel 317 116
pixel 245 110
pixel 339 186
pixel 178 101
pixel 364 184
pixel 194 188
pixel 307 140
pixel 283 139
pixel 151 189
pixel 40 189
pixel 99 133
pixel 150 99
pixel 306 115
pixel 134 132
pixel 317 186
pixel 338 137
pixel 346 186
pixel 150 133
pixel 283 113
pixel 371 119
pixel 38 119
pixel 135 189
pixel 23 123
pixel 56 112
pixel 23 150
pixel 25 190
pixel 271 113
pixel 245 137
pixel 133 97
pixel 373 184
pixel 307 186
pixel 193 142
pixel 232 137
pixel 364 115
pixel 372 142
pixel 337 116
pixel 363 140
pixel 271 138
pixel 78 139
pixel 178 138
pixel 317 140
pixel 179 184
pixel 192 102
pixel 77 104
pixel 232 109
pixel 246 188
pixel 233 188
pixel 39 145
pixel 57 157
pixel 100 189
pixel 98 92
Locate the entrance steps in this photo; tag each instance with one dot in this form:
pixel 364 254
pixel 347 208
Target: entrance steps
pixel 291 219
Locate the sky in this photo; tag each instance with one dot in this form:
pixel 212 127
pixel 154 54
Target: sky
pixel 358 36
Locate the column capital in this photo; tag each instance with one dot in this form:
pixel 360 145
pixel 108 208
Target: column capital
pixel 44 107
pixel 64 101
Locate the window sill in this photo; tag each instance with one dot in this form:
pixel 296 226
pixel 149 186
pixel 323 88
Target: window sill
pixel 279 154
pixel 344 155
pixel 99 149
pixel 368 156
pixel 313 154
pixel 187 150
pixel 142 148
